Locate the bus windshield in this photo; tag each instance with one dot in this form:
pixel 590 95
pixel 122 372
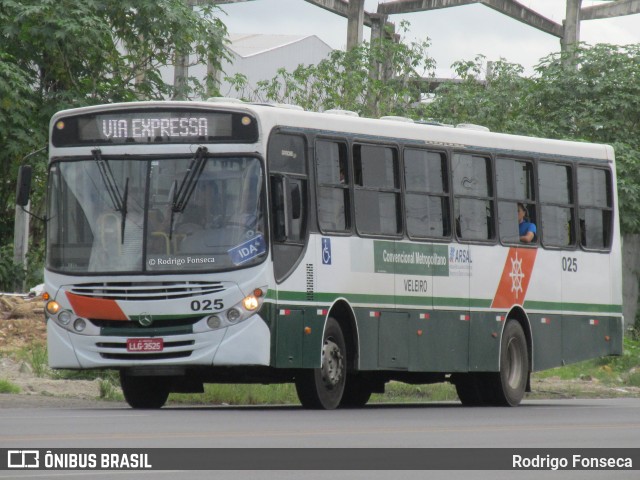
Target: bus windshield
pixel 141 215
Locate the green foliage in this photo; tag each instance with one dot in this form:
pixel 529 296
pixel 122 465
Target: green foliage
pixel 590 94
pixel 57 54
pixel 7 387
pixel 622 371
pixel 37 358
pixel 110 389
pixel 11 274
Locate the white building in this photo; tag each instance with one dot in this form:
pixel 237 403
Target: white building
pixel 260 56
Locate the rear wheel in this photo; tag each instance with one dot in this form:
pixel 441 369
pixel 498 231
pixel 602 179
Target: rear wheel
pixel 144 392
pixel 506 387
pixel 322 388
pixel 511 381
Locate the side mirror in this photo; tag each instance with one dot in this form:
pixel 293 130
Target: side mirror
pixel 23 189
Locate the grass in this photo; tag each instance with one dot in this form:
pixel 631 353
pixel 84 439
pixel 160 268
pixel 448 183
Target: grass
pixel 622 371
pixel 7 387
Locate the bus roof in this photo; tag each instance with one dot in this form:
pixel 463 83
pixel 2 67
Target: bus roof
pixel 339 123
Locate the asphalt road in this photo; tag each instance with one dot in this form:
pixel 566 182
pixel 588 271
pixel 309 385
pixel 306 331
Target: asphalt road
pixel 541 424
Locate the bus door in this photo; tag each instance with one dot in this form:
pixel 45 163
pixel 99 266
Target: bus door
pixel 288 199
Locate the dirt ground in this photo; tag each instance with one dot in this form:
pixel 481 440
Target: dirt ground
pixel 23 330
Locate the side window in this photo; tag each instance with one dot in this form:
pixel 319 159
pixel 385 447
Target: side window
pixel 286 158
pixel 377 190
pixel 596 207
pixel 473 197
pixel 332 186
pixel 427 194
pixel 555 186
pixel 517 215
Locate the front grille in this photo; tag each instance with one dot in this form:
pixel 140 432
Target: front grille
pixel 146 290
pixel 164 323
pixel 146 356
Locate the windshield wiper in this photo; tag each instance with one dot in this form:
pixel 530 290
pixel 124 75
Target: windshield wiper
pixel 182 194
pixel 118 201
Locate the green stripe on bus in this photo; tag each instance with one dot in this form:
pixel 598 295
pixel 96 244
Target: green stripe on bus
pixel 386 299
pixel 575 307
pixel 438 302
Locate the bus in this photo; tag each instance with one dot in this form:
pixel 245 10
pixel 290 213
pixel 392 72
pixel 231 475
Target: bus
pixel 227 242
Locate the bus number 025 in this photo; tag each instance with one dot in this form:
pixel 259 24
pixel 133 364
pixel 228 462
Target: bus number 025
pixel 569 264
pixel 206 305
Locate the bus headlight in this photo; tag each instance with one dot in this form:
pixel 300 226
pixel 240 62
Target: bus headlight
pixel 239 312
pixel 79 325
pixel 233 315
pixel 64 317
pixel 52 307
pixel 214 322
pixel 250 303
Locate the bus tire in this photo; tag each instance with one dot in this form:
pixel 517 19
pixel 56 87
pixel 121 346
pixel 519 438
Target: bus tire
pixel 322 388
pixel 144 392
pixel 470 389
pixel 357 392
pixel 511 381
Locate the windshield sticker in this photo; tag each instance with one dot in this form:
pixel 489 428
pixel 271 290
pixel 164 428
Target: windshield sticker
pixel 180 261
pixel 247 250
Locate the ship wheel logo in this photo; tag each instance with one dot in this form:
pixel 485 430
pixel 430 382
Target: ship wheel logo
pixel 516 275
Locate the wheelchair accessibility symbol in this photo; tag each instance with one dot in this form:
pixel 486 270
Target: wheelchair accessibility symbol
pixel 326 251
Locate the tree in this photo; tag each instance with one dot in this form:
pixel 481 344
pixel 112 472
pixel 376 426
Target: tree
pixel 590 94
pixel 57 54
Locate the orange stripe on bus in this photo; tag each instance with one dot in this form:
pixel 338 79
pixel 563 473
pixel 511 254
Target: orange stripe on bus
pixel 98 308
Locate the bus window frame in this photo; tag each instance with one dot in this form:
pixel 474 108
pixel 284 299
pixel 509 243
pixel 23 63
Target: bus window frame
pixel 397 147
pixel 573 205
pixel 492 183
pixel 611 208
pixel 448 195
pixel 535 202
pixel 350 207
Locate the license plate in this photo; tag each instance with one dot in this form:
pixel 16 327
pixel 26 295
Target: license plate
pixel 145 344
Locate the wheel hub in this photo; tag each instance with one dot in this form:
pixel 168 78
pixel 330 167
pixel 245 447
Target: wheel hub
pixel 332 364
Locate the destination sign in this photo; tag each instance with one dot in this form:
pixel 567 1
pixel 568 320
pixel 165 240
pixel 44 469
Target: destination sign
pixel 154 126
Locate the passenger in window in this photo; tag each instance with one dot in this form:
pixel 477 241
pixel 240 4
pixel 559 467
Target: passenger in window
pixel 527 229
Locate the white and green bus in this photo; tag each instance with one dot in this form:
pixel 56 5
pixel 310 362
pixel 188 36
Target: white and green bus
pixel 227 242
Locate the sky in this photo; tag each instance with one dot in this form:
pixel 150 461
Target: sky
pixel 457 33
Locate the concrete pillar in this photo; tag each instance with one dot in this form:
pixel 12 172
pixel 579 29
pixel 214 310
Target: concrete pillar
pixel 180 73
pixel 571 24
pixel 630 274
pixel 355 23
pixel 21 241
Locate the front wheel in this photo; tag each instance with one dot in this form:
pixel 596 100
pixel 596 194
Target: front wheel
pixel 322 388
pixel 144 392
pixel 357 392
